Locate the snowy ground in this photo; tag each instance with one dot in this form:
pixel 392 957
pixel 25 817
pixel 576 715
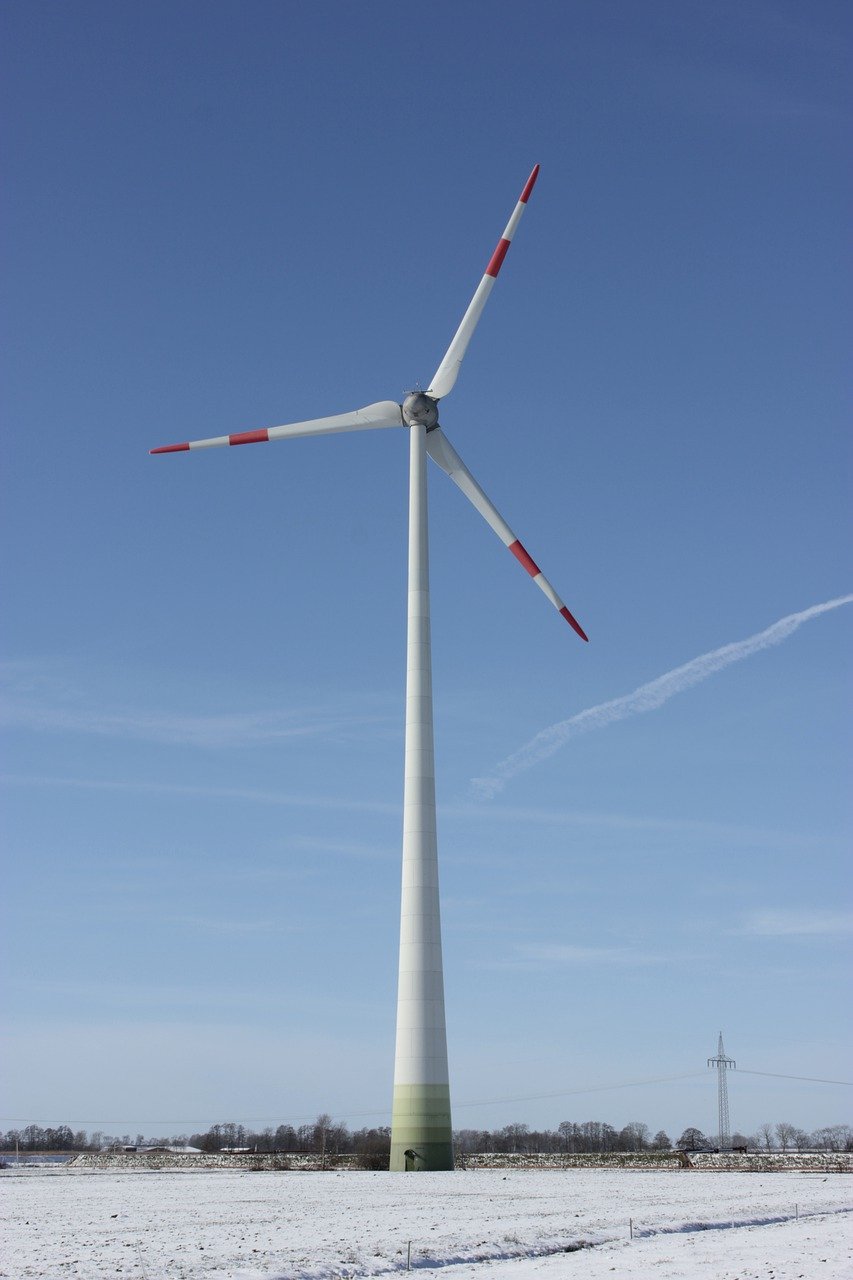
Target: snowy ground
pixel 522 1225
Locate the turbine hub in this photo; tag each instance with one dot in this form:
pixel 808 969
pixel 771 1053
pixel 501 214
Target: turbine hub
pixel 420 410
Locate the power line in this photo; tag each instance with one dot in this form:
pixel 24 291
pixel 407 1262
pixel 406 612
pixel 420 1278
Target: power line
pixel 777 1075
pixel 356 1115
pixel 481 1102
pixel 566 1093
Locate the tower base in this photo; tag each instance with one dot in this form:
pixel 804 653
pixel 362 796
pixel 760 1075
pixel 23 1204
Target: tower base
pixel 421 1134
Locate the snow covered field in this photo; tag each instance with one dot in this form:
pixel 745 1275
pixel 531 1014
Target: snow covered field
pixel 521 1225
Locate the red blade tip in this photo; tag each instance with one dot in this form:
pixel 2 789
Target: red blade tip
pixel 528 186
pixel 573 622
pixel 170 448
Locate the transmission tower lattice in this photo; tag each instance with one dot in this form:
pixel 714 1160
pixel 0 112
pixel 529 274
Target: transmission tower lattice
pixel 722 1063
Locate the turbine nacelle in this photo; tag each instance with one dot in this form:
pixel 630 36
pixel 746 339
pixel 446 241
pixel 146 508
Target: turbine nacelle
pixel 419 410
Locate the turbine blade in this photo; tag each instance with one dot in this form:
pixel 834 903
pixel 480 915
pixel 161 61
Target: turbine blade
pixel 385 413
pixel 445 456
pixel 448 371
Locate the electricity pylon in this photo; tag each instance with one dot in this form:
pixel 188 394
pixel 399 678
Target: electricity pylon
pixel 722 1063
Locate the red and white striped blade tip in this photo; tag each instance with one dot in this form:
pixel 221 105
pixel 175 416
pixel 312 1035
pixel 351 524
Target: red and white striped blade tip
pixel 573 622
pixel 529 185
pixel 240 437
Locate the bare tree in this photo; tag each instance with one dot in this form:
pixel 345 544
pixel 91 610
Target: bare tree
pixel 322 1125
pixel 802 1141
pixel 515 1135
pixel 835 1137
pixel 372 1147
pixel 785 1134
pixel 568 1132
pixel 692 1140
pixel 284 1138
pixel 634 1136
pixel 764 1133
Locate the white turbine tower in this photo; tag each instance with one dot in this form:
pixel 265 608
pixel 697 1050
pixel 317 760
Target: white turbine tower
pixel 421 1135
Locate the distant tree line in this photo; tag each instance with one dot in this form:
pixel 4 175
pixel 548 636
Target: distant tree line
pixel 777 1137
pixel 327 1137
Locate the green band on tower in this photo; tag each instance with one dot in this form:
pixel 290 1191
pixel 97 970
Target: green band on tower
pixel 421 1134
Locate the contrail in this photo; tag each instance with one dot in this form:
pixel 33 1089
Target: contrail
pixel 646 698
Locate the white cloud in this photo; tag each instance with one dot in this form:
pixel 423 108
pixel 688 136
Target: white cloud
pixel 224 925
pixel 44 697
pixel 648 697
pixel 345 848
pixel 781 923
pixel 249 794
pixel 238 729
pixel 548 817
pixel 566 955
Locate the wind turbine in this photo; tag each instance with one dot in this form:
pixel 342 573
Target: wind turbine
pixel 421 1135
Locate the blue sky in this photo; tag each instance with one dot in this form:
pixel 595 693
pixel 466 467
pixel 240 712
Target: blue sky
pixel 224 216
